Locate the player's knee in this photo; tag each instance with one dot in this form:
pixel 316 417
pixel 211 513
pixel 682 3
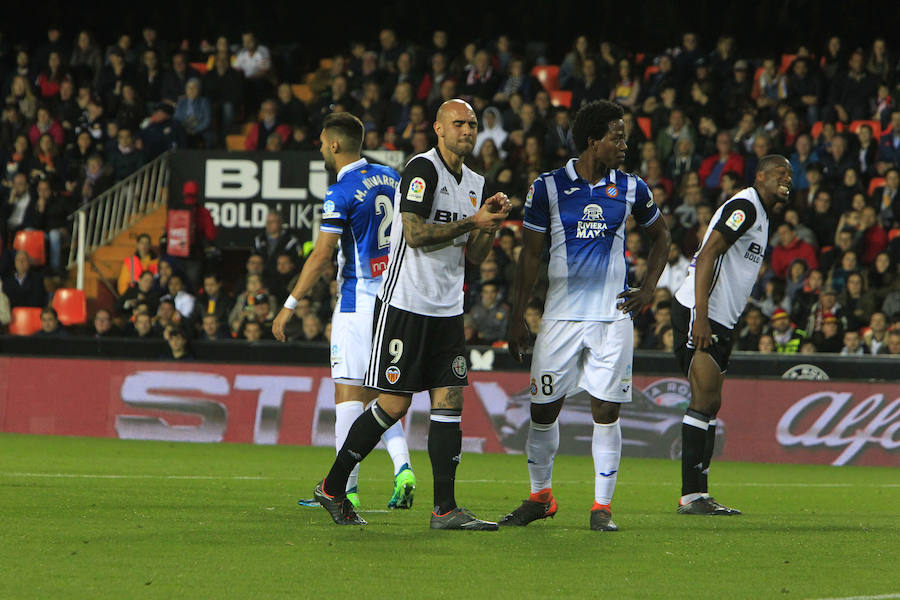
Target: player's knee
pixel 546 414
pixel 604 412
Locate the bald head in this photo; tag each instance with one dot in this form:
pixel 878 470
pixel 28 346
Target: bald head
pixel 456 127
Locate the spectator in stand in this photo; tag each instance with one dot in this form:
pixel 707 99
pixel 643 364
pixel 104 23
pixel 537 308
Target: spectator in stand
pixel 675 270
pixel 848 264
pixel 590 86
pixel 142 293
pixel 683 160
pixel 492 123
pixel 875 238
pixel 766 344
pixel 726 159
pixel 130 110
pixel 45 124
pixel 255 62
pixel 887 198
pixel 50 325
pixel 274 240
pixel 124 159
pixel 104 326
pixel 823 221
pixel 194 113
pixel 162 133
pixel 18 211
pixel 179 348
pixel 754 328
pixel 470 331
pixel 51 216
pixel 857 305
pixel 853 344
pixel 804 90
pixel 789 248
pixel 243 305
pixel 251 331
pixel 430 86
pixel 185 303
pixel 266 125
pixel 143 259
pixel 490 314
pixel 627 87
pixel 668 138
pixel 889 145
pixel 852 93
pixel 148 82
pixel 312 329
pixel 141 327
pixel 21 94
pixel 836 161
pixel 866 151
pixel 830 338
pixel 826 304
pixel 480 80
pixel 175 80
pixel 213 300
pixel 787 337
pixel 893 344
pixel 224 88
pixel 876 336
pixel 290 109
pixel 286 271
pixel 113 76
pixel 801 158
pixel 211 329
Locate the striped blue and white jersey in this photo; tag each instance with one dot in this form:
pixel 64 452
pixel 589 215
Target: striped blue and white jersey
pixel 360 208
pixel 586 224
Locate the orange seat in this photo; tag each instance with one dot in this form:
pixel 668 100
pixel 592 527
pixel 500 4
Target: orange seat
pixel 70 306
pixel 561 98
pixel 786 60
pixel 200 67
pixel 32 242
pixel 874 125
pixel 893 233
pixel 25 320
pixel 235 141
pixel 875 182
pixel 650 71
pixel 645 124
pixel 548 75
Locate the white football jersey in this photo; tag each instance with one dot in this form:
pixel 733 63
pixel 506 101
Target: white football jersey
pixel 744 222
pixel 429 280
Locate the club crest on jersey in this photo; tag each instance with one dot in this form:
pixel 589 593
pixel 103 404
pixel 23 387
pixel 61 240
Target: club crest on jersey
pixel 592 224
pixel 392 374
pixel 612 191
pixel 328 211
pixel 416 190
pixel 474 198
pixel 533 388
pixel 734 221
pixel 459 366
pixel 529 196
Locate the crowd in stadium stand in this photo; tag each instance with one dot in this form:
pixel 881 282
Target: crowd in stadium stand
pixel 79 116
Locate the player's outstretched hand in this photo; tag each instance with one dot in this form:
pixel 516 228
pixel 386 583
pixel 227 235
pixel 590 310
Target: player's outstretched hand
pixel 519 339
pixel 701 332
pixel 284 315
pixel 493 212
pixel 635 299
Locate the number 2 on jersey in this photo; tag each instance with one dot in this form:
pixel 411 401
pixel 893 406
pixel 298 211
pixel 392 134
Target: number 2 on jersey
pixel 384 205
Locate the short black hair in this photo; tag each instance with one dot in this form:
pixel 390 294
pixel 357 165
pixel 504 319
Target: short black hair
pixel 770 161
pixel 347 126
pixel 50 311
pixel 592 122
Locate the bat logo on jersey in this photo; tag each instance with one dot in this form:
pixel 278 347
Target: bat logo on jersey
pixel 416 191
pixel 754 253
pixel 459 366
pixel 474 198
pixel 591 224
pixel 392 374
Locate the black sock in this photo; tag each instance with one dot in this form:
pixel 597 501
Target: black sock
pixel 361 439
pixel 693 446
pixel 444 449
pixel 707 455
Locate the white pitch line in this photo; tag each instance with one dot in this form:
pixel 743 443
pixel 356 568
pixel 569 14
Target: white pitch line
pixel 882 597
pixel 505 481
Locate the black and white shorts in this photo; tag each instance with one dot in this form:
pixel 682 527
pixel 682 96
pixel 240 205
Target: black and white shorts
pixel 412 352
pixel 719 351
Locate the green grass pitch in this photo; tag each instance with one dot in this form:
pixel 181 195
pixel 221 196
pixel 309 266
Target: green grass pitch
pixel 100 518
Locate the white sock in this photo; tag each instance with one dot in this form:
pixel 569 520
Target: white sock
pixel 543 442
pixel 345 413
pixel 395 441
pixel 606 446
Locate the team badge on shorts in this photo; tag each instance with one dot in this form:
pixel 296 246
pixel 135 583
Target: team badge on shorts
pixel 392 374
pixel 459 366
pixel 533 388
pixel 612 191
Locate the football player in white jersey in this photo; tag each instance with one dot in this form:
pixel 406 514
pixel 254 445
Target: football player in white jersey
pixel 586 336
pixel 440 219
pixel 706 309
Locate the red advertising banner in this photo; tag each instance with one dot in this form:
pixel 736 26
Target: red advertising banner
pixel 818 422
